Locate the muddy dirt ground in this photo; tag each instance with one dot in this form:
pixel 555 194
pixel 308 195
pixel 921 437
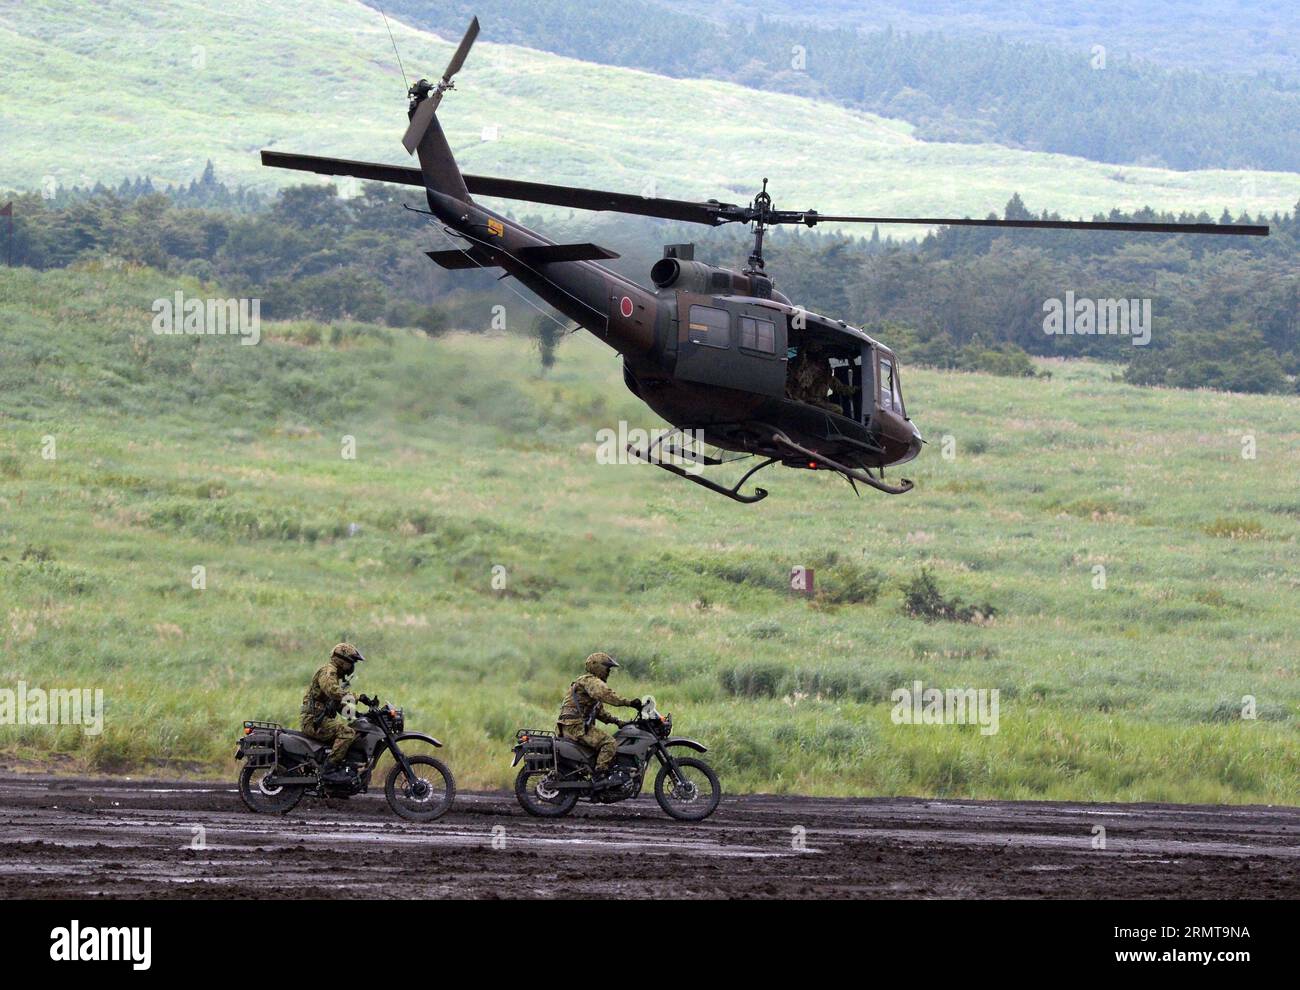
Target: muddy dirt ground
pixel 117 838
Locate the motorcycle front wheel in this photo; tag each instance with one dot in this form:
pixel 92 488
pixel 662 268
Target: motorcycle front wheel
pixel 426 799
pixel 537 797
pixel 697 794
pixel 267 800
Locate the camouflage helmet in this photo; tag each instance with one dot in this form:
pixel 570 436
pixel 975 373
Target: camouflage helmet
pixel 348 653
pixel 600 664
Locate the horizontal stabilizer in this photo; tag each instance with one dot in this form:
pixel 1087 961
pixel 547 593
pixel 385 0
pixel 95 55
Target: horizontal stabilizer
pixel 550 253
pixel 455 261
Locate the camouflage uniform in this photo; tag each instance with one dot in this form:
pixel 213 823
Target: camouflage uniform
pixel 584 704
pixel 813 379
pixel 322 703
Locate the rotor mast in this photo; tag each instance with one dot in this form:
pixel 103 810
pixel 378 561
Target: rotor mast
pixel 761 210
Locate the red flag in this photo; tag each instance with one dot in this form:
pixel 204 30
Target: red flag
pixel 7 210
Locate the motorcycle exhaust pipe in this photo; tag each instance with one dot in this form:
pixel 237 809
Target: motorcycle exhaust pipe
pixel 276 782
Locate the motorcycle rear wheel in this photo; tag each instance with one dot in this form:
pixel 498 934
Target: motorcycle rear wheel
pixel 690 803
pixel 431 774
pixel 535 803
pixel 264 801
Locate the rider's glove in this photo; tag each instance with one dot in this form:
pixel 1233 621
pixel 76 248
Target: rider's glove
pixel 637 703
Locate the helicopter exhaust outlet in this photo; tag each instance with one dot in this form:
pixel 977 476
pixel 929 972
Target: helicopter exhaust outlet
pixel 665 272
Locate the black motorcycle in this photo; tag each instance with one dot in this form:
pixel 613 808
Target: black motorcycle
pixel 557 772
pixel 282 766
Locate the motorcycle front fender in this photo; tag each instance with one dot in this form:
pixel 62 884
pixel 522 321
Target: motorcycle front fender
pixel 418 737
pixel 687 743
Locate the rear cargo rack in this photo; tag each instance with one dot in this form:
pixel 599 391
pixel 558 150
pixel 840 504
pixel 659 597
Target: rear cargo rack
pixel 255 746
pixel 538 747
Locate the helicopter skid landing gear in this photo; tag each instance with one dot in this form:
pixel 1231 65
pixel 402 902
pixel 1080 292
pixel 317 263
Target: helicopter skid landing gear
pixel 853 474
pixel 732 493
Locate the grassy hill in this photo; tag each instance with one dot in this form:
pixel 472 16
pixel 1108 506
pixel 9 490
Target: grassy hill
pixel 177 452
pixel 115 89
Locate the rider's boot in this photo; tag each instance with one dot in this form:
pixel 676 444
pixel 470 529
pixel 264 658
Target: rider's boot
pixel 337 773
pixel 610 778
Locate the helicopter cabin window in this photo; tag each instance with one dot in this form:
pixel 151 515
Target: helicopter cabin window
pixel 890 396
pixel 757 335
pixel 710 327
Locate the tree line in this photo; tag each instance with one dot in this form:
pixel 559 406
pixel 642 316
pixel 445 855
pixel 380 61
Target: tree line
pixel 1225 311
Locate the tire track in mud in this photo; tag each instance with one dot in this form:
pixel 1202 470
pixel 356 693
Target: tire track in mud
pixel 62 837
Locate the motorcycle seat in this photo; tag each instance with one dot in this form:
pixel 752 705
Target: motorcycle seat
pixel 569 749
pixel 301 744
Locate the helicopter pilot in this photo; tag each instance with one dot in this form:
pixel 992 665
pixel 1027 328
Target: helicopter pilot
pixel 811 380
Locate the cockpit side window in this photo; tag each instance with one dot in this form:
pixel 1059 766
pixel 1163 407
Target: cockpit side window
pixel 710 327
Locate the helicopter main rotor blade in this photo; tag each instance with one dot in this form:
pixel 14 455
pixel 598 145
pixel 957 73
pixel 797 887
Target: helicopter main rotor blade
pixel 812 218
pixel 399 174
pixel 531 192
pixel 423 115
pixel 711 214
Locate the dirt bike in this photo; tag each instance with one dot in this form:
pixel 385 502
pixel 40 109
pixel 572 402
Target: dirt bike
pixel 282 766
pixel 557 772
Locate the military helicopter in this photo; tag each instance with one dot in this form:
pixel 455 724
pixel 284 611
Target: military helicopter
pixel 720 353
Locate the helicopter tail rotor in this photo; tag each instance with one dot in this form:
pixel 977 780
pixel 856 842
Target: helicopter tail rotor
pixel 425 97
pixel 424 136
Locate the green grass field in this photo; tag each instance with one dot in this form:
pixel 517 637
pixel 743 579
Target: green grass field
pixel 117 89
pixel 176 452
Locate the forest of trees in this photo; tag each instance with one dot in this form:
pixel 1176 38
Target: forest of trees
pixel 967 88
pixel 1226 311
pixel 1249 37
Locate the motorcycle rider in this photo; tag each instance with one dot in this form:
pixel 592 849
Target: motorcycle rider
pixel 585 704
pixel 326 697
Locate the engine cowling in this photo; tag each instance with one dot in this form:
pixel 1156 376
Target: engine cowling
pixel 695 276
pixel 689 276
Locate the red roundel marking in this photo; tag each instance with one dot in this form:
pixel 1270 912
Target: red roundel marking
pixel 625 307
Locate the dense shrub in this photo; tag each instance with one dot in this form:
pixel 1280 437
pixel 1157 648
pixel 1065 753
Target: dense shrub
pixel 922 599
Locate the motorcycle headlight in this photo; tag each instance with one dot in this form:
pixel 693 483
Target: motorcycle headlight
pixel 397 719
